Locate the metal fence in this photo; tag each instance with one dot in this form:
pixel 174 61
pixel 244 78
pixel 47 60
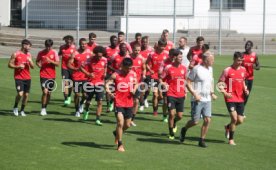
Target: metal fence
pixel 152 16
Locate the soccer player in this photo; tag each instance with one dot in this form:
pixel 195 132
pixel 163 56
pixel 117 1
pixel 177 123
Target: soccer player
pixel 174 76
pixel 21 61
pixel 76 61
pixel 185 50
pixel 65 52
pixel 47 60
pixel 92 41
pixel 125 87
pixel 200 84
pixel 117 59
pixel 121 39
pixel 197 58
pixel 250 62
pixel 154 62
pixel 196 50
pixel 96 73
pixel 111 50
pixel 232 86
pixel 165 37
pixel 146 51
pixel 138 37
pixel 139 67
pixel 164 64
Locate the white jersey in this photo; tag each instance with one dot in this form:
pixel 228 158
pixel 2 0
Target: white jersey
pixel 202 79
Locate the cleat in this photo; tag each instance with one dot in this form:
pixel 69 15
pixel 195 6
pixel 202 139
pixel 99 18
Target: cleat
pixel 175 129
pixel 66 102
pixel 133 124
pixel 231 142
pixel 171 137
pixel 141 108
pixel 85 115
pixel 69 100
pixel 121 148
pixel 155 113
pixel 15 111
pixel 99 123
pixel 146 103
pixel 43 112
pixel 227 132
pixel 165 119
pixel 111 107
pixel 81 108
pixel 182 135
pixel 22 113
pixel 202 144
pixel 77 114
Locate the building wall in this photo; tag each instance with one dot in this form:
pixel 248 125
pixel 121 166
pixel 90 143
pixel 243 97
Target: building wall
pixel 5 8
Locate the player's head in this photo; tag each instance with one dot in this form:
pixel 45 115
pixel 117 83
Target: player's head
pixel 92 37
pixel 200 41
pixel 138 36
pixel 238 58
pixel 182 42
pixel 136 49
pixel 121 36
pixel 26 45
pixel 99 52
pixel 113 40
pixel 208 58
pixel 177 56
pixel 145 41
pixel 82 43
pixel 172 54
pixel 123 48
pixel 48 44
pixel 248 45
pixel 161 44
pixel 165 34
pixel 205 48
pixel 127 65
pixel 69 39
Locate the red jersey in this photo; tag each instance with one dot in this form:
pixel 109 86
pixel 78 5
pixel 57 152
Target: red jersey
pixel 98 68
pixel 133 43
pixel 234 81
pixel 175 77
pixel 137 67
pixel 163 66
pixel 91 46
pixel 22 58
pixel 196 51
pixel 47 70
pixel 110 52
pixel 248 63
pixel 169 46
pixel 196 59
pixel 156 61
pixel 66 53
pixel 80 60
pixel 124 85
pixel 145 54
pixel 116 61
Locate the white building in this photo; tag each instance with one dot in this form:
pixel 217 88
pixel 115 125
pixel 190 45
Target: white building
pixel 244 16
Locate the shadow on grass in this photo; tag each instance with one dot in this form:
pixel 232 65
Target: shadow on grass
pixel 146 119
pixel 268 67
pixel 206 140
pixel 220 115
pixel 90 121
pixel 88 144
pixel 158 140
pixel 6 112
pixel 53 113
pixel 143 133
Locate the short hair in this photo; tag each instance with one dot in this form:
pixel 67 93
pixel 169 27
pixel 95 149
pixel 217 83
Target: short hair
pixel 206 47
pixel 165 31
pixel 237 55
pixel 136 45
pixel 99 49
pixel 162 43
pixel 206 55
pixel 138 34
pixel 145 37
pixel 68 37
pixel 121 44
pixel 27 42
pixel 127 62
pixel 184 38
pixel 199 38
pixel 121 33
pixel 171 52
pixel 92 35
pixel 112 37
pixel 250 42
pixel 49 43
pixel 81 40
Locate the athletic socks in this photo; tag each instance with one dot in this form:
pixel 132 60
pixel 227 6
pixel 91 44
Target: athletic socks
pixel 97 117
pixel 231 135
pixel 133 117
pixel 171 131
pixel 120 143
pixel 65 96
pixel 15 105
pixel 22 107
pixel 176 119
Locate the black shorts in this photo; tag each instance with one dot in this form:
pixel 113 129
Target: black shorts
pixel 95 90
pixel 233 106
pixel 126 111
pixel 23 85
pixel 176 103
pixel 49 84
pixel 154 83
pixel 147 80
pixel 66 74
pixel 137 94
pixel 79 86
pixel 107 76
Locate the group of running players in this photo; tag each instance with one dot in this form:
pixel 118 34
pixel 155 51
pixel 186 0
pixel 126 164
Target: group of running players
pixel 124 74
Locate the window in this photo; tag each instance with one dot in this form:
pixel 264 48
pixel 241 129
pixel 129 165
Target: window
pixel 118 7
pixel 228 4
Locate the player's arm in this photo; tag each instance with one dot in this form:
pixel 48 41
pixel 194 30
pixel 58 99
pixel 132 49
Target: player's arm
pixel 11 63
pixel 85 68
pixel 54 62
pixel 38 60
pixel 257 65
pixel 221 85
pixel 108 83
pixel 144 67
pixel 148 64
pixel 109 64
pixel 70 63
pixel 192 90
pixel 190 55
pixel 212 90
pixel 30 62
pixel 246 91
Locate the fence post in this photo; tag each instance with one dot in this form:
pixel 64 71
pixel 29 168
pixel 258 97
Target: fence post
pixel 220 22
pixel 26 18
pixel 78 23
pixel 174 20
pixel 126 20
pixel 264 11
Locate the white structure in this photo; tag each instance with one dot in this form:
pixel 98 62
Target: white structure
pixel 244 16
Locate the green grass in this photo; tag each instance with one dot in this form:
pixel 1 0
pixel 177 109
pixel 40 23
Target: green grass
pixel 61 141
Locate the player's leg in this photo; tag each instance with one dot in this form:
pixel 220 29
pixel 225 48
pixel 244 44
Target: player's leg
pixel 119 129
pixel 155 101
pixel 19 88
pixel 249 84
pixel 172 112
pixel 90 94
pixel 206 112
pixel 240 111
pixel 27 87
pixel 135 107
pixel 165 108
pixel 234 119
